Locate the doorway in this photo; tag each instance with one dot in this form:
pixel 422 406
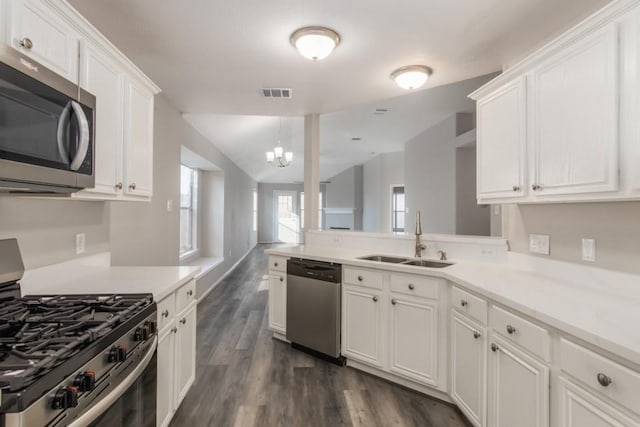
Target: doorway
pixel 287 221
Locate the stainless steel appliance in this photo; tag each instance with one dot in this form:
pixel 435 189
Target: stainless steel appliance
pixel 313 307
pixel 78 360
pixel 47 129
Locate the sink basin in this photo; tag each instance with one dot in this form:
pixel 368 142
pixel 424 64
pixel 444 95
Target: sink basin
pixel 427 263
pixel 382 258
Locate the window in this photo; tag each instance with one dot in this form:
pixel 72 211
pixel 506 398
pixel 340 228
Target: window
pixel 188 209
pixel 319 210
pixel 397 209
pixel 255 210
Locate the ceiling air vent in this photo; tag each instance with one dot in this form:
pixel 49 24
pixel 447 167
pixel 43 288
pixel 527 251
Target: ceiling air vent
pixel 277 92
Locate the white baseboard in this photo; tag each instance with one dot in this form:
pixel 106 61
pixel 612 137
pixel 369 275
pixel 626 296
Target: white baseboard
pixel 233 267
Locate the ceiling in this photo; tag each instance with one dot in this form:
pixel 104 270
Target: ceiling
pixel 213 56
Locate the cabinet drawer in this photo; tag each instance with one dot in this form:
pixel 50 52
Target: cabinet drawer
pixel 469 304
pixel 530 336
pixel 594 370
pixel 278 263
pixel 362 277
pixel 185 295
pixel 420 286
pixel 166 311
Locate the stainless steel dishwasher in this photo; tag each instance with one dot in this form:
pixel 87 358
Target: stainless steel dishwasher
pixel 313 307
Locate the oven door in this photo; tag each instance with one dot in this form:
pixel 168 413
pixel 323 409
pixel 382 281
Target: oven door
pixel 131 404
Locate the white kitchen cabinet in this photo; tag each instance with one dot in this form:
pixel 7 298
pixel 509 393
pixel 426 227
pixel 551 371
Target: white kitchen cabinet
pixel 469 368
pixel 518 393
pixel 44 36
pixel 278 302
pixel 413 339
pixel 166 376
pixel 138 140
pixel 580 408
pixel 574 118
pixel 501 144
pixel 185 353
pixel 362 332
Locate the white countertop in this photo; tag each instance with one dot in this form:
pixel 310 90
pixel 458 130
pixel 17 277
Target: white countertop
pixel 69 278
pixel 597 311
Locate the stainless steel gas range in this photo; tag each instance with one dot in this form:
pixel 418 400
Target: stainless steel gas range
pixel 75 360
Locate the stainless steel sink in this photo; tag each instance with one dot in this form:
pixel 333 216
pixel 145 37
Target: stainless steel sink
pixel 383 258
pixel 427 263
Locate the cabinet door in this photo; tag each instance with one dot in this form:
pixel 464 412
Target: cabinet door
pixel 414 339
pixel 101 76
pixel 579 408
pixel 166 376
pixel 362 325
pixel 501 144
pixel 278 303
pixel 518 388
pixel 574 126
pixel 42 35
pixel 138 140
pixel 185 354
pixel 468 368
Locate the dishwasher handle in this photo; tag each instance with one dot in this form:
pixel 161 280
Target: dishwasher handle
pixel 327 272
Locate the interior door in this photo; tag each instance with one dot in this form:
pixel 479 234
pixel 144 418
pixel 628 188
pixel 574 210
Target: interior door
pixel 286 218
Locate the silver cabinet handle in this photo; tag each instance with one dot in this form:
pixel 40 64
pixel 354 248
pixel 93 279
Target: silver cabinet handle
pixel 516 188
pixel 604 380
pixel 282 279
pixel 411 287
pixel 536 187
pixel 360 279
pixel 190 292
pixel 183 320
pixel 393 301
pixel 511 330
pixel 132 186
pixel 476 334
pixel 174 329
pixel 375 298
pixel 118 186
pixel 26 43
pixel 495 347
pixel 165 313
pixel 275 264
pixel 464 303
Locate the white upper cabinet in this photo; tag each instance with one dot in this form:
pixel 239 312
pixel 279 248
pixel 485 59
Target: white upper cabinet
pixel 138 140
pixel 502 143
pixel 574 118
pixel 42 35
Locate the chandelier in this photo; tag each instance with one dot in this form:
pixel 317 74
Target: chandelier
pixel 278 157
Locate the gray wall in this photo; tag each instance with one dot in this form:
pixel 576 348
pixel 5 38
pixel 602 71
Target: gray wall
pixel 344 191
pixel 615 226
pixel 471 218
pixel 379 174
pixel 211 216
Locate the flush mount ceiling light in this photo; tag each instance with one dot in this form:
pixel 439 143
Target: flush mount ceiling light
pixel 315 43
pixel 412 76
pixel 278 157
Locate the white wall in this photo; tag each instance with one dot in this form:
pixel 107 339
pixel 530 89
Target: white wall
pixel 344 191
pixel 211 236
pixel 380 173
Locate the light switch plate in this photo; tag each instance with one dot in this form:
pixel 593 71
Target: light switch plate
pixel 588 250
pixel 539 244
pixel 80 243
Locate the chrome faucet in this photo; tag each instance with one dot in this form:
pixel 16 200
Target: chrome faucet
pixel 419 245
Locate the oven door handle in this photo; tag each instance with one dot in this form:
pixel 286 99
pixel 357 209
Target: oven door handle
pixel 105 403
pixel 83 145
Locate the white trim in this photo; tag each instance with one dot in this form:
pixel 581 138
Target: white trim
pixel 189 256
pixel 339 211
pixel 212 287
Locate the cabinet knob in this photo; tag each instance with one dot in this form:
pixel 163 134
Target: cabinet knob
pixel 282 279
pixel 275 264
pixel 476 334
pixel 411 286
pixel 183 320
pixel 536 187
pixel 604 380
pixel 190 292
pixel 360 279
pixel 174 329
pixel 464 302
pixel 26 43
pixel 393 301
pixel 118 186
pixel 132 186
pixel 375 298
pixel 165 313
pixel 495 347
pixel 516 188
pixel 511 330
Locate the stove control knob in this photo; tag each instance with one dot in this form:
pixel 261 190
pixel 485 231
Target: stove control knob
pixel 141 333
pixel 117 354
pixel 152 327
pixel 66 397
pixel 85 381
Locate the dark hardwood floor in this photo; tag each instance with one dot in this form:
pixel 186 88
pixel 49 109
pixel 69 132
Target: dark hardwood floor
pixel 246 378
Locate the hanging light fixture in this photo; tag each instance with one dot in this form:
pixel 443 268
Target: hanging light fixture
pixel 278 157
pixel 315 43
pixel 412 76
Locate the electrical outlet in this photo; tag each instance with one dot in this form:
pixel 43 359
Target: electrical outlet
pixel 539 244
pixel 588 250
pixel 80 243
pixel 169 205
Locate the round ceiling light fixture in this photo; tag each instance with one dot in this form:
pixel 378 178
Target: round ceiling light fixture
pixel 411 76
pixel 315 43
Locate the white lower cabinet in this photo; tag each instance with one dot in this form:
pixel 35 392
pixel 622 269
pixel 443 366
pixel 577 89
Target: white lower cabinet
pixel 518 387
pixel 166 376
pixel 185 353
pixel 414 339
pixel 362 325
pixel 469 368
pixel 278 302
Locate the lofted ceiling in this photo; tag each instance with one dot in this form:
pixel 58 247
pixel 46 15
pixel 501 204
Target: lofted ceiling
pixel 213 56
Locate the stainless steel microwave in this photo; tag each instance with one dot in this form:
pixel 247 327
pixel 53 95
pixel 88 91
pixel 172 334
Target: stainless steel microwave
pixel 47 129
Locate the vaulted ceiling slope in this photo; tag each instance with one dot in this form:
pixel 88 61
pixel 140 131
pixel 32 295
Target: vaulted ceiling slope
pixel 212 56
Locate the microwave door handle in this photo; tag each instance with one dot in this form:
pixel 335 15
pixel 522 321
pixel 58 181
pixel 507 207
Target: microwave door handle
pixel 62 124
pixel 83 146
